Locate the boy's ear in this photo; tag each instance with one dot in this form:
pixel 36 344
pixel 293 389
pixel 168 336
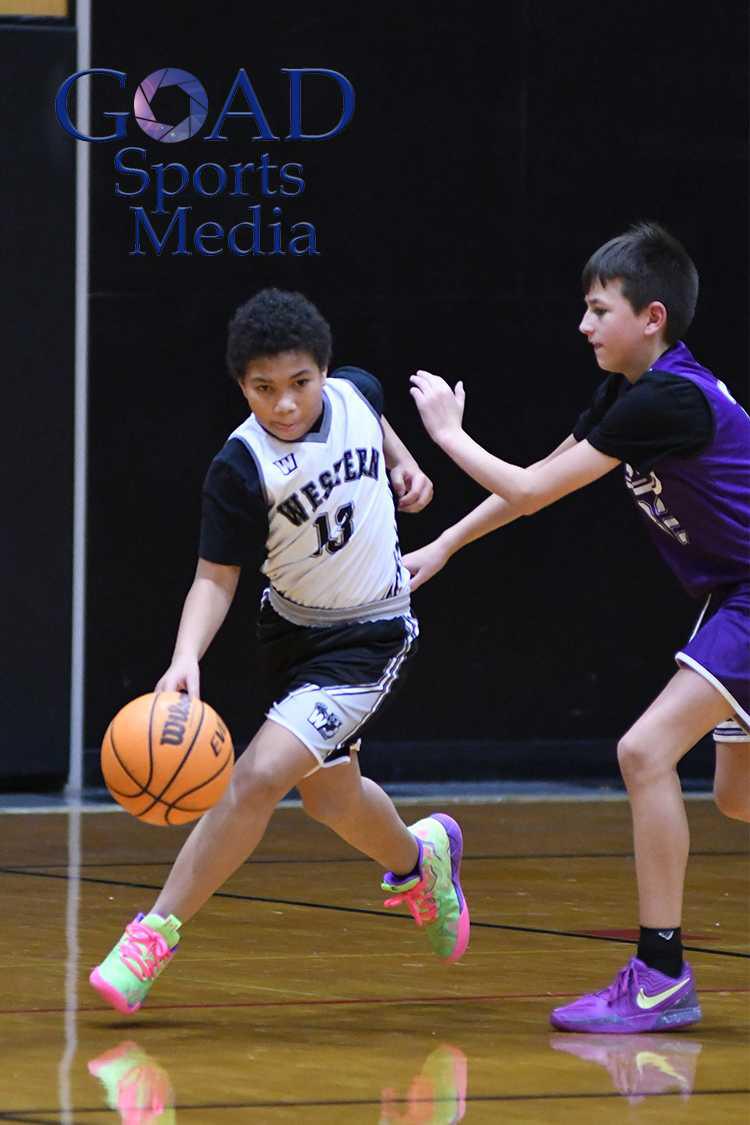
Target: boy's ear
pixel 657 318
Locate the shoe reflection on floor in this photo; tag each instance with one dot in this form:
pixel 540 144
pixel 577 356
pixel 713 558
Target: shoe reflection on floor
pixel 639 1065
pixel 436 1094
pixel 135 1085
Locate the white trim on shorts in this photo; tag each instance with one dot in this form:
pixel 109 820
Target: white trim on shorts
pixel 742 717
pixel 379 688
pixel 730 731
pixel 699 622
pixel 736 729
pixel 320 762
pixel 386 681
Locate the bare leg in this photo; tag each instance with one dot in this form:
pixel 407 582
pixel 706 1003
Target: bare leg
pixel 687 709
pixel 361 813
pixel 732 780
pixel 224 837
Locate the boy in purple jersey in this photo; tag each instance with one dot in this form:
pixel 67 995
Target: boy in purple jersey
pixel 685 445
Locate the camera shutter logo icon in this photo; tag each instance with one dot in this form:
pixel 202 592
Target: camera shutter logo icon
pixel 196 105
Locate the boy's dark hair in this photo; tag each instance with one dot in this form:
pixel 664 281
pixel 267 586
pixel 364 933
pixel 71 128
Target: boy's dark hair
pixel 652 266
pixel 275 321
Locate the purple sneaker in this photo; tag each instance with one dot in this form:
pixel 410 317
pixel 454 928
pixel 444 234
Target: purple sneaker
pixel 639 999
pixel 640 1066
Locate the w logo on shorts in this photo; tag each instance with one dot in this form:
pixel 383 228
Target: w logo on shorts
pixel 324 721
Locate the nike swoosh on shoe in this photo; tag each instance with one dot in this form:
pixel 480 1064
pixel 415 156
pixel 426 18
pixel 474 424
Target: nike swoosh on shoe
pixel 646 1002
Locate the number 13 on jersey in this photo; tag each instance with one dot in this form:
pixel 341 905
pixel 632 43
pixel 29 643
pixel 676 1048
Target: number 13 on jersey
pixel 339 539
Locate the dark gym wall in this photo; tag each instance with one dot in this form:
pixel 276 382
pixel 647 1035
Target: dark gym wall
pixel 37 207
pixel 482 166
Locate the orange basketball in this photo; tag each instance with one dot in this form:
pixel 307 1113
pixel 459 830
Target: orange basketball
pixel 166 758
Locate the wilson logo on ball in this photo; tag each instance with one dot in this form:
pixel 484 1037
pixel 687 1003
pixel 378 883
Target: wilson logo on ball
pixel 173 730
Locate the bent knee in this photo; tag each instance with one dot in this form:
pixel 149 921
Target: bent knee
pixel 325 808
pixel 254 785
pixel 634 758
pixel 334 797
pixel 641 761
pixel 318 809
pixel 732 803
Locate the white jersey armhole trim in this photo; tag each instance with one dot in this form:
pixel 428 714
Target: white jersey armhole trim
pixel 364 399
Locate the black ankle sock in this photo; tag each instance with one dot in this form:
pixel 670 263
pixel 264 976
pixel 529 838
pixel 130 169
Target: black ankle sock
pixel 661 949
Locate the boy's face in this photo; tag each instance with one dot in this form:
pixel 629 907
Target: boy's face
pixel 285 393
pixel 623 340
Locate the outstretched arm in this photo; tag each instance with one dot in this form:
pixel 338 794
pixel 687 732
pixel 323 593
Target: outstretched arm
pixel 492 513
pixel 205 608
pixel 527 490
pixel 411 485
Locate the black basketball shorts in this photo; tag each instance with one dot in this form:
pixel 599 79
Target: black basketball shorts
pixel 326 683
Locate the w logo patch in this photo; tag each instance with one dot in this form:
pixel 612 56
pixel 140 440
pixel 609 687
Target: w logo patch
pixel 287 465
pixel 324 721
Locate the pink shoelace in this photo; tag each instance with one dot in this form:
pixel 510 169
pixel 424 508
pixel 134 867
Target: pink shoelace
pixel 145 951
pixel 420 902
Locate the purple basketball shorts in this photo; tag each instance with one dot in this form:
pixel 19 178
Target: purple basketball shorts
pixel 719 650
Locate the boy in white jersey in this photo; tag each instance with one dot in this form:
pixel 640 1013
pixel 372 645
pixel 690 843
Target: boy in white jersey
pixel 303 482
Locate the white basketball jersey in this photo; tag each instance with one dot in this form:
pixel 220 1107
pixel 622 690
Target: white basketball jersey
pixel 332 552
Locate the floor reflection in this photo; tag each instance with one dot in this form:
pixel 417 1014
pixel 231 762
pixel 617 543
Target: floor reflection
pixel 436 1094
pixel 135 1085
pixel 639 1065
pixel 72 960
pixel 140 1089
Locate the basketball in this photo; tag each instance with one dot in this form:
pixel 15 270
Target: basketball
pixel 167 758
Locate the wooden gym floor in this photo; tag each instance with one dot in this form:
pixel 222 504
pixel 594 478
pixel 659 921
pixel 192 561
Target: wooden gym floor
pixel 296 998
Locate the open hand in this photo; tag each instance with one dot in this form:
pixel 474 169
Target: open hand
pixel 440 408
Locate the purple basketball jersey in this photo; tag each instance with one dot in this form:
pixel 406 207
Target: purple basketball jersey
pixel 698 508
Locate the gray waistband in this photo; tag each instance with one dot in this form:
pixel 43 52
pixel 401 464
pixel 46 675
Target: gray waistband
pixel 316 615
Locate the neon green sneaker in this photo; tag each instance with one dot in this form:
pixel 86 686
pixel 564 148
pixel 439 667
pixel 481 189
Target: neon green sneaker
pixel 434 896
pixel 135 1085
pixel 144 950
pixel 436 1095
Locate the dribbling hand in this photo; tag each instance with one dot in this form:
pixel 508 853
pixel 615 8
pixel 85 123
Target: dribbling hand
pixel 182 674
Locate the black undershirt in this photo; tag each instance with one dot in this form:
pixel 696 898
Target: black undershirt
pixel 661 415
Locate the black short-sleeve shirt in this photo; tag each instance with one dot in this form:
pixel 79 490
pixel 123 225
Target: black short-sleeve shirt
pixel 661 415
pixel 234 512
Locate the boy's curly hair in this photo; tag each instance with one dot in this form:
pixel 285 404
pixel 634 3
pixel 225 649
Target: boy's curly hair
pixel 275 321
